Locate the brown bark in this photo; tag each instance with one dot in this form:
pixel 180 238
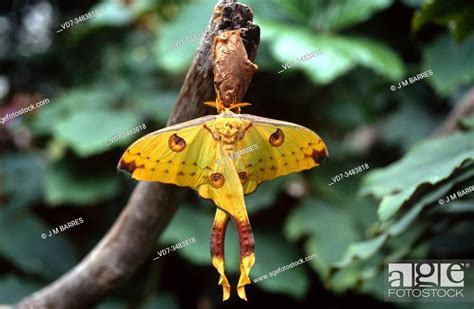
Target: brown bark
pixel 151 206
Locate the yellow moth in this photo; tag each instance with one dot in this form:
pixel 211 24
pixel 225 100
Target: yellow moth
pixel 196 154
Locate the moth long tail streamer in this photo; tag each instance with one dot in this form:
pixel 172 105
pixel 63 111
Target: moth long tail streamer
pixel 247 252
pixel 221 220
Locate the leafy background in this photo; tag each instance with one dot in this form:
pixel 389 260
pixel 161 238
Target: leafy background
pixel 118 70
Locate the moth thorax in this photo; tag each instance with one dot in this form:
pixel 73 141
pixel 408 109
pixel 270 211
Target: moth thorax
pixel 229 131
pixel 229 149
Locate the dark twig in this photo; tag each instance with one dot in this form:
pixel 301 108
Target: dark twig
pixel 464 107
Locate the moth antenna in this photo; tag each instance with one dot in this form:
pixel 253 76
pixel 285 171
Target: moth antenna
pixel 237 106
pixel 217 104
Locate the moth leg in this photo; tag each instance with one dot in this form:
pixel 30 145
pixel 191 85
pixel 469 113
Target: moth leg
pixel 217 249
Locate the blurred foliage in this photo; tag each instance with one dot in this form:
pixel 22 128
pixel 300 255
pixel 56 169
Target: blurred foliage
pixel 456 15
pixel 118 70
pixel 459 72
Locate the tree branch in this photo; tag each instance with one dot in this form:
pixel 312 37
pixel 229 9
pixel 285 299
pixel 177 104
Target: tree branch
pixel 464 107
pixel 151 206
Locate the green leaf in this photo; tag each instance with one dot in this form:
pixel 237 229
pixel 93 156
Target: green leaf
pixel 335 55
pixel 76 100
pixel 456 15
pixel 112 14
pixel 273 251
pixel 401 224
pixel 406 244
pixel 448 77
pixel 459 207
pixel 318 220
pixel 13 288
pixel 338 15
pixel 366 249
pixel 414 118
pixel 299 10
pixel 427 163
pixel 22 175
pixel 345 278
pixel 375 286
pixel 156 106
pixel 88 132
pixel 326 16
pixel 265 196
pixel 416 169
pixel 361 250
pixel 281 9
pixel 392 203
pixel 468 122
pixel 66 184
pixel 190 222
pixel 21 243
pixel 185 33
